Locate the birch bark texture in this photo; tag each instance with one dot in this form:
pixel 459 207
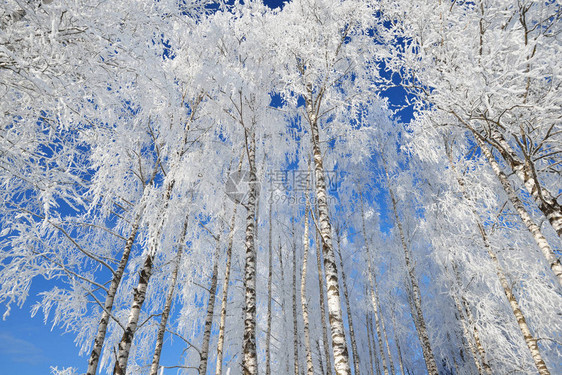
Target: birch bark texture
pixel 269 294
pixel 210 310
pixel 354 351
pixel 226 283
pixel 322 302
pixel 544 246
pixel 139 293
pixel 530 340
pixel 294 305
pixel 304 302
pixel 110 298
pixel 249 359
pixel 168 303
pixel 339 346
pixel 416 293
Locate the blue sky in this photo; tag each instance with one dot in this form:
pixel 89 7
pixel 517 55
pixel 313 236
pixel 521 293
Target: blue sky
pixel 28 346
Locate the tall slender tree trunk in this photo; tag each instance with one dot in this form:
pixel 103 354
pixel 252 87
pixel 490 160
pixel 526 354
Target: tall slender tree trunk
pixel 369 345
pixel 375 304
pixel 389 352
pixel 283 307
pixel 470 330
pixel 535 230
pixel 139 293
pixel 225 284
pixel 468 336
pixel 372 283
pixel 354 351
pixel 130 330
pixel 545 201
pixel 323 307
pixel 168 303
pixel 339 347
pixel 530 340
pixel 320 362
pixel 269 296
pixel 416 294
pixel 295 323
pixel 400 361
pixel 110 298
pixel 210 311
pixel 250 360
pixel 377 360
pixel 476 335
pixel 304 303
pixel 116 280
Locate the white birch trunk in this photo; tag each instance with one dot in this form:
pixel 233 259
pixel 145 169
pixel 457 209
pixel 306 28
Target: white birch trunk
pixel 323 307
pixel 476 347
pixel 377 360
pixel 131 328
pixel 210 310
pixel 512 300
pixel 375 304
pixel 400 361
pixel 389 353
pixel 283 307
pixel 168 304
pixel 224 300
pixel 372 284
pixel 530 340
pixel 110 298
pixel 295 323
pixel 525 170
pixel 539 238
pixel 476 335
pixel 139 293
pixel 226 282
pixel 339 347
pixel 369 345
pixel 468 336
pixel 146 272
pixel 304 303
pixel 269 296
pixel 416 295
pixel 250 360
pixel 354 352
pixel 322 372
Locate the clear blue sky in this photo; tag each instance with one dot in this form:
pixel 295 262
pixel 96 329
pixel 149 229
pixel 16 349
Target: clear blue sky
pixel 29 347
